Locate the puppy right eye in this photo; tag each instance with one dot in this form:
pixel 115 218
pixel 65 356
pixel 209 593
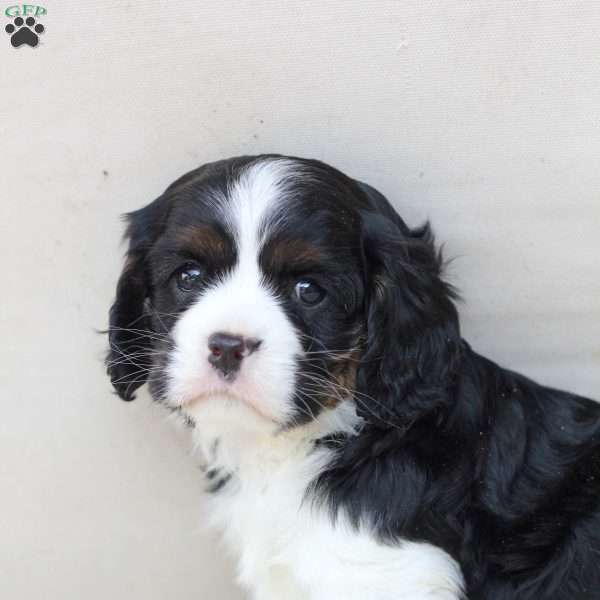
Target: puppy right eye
pixel 308 292
pixel 189 277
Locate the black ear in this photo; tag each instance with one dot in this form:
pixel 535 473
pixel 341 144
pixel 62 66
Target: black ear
pixel 129 333
pixel 412 340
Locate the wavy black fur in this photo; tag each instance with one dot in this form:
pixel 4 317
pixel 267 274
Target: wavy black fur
pixel 501 472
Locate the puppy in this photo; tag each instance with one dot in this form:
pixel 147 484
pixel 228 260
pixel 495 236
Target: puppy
pixel 356 447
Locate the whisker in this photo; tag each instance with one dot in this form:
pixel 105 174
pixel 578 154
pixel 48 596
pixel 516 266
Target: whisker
pixel 135 374
pixel 352 394
pixel 141 333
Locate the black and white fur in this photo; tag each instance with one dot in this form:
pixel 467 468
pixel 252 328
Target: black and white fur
pixel 364 450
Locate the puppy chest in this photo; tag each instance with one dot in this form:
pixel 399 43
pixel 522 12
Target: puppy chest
pixel 263 523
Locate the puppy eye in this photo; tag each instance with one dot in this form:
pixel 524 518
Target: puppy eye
pixel 189 277
pixel 308 292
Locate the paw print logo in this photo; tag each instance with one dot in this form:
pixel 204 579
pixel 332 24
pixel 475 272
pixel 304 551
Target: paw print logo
pixel 24 32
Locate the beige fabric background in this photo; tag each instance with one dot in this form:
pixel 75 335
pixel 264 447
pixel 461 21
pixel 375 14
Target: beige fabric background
pixel 484 117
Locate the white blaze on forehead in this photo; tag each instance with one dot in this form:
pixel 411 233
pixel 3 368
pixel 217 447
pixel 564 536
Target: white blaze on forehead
pixel 255 196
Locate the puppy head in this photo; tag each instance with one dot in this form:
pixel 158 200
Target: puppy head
pixel 279 287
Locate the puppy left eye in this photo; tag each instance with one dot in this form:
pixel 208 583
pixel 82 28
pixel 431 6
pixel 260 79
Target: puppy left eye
pixel 189 277
pixel 308 292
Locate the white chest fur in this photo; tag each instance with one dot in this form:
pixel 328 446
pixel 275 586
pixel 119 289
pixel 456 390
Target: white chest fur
pixel 286 547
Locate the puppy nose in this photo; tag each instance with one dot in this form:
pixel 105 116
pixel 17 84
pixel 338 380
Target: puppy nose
pixel 227 352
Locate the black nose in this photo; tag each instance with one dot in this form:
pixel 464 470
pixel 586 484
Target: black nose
pixel 227 352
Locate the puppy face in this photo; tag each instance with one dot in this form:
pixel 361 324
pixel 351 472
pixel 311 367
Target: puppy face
pixel 280 286
pixel 254 289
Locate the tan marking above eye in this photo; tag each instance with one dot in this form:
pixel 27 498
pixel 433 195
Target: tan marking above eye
pixel 202 240
pixel 283 253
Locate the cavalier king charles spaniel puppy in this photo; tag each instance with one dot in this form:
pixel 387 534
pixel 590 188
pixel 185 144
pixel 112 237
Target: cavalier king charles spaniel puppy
pixel 355 446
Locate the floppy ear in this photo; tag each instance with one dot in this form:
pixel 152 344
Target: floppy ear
pixel 412 336
pixel 129 333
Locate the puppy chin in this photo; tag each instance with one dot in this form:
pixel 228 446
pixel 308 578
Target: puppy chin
pixel 225 412
pixel 206 397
